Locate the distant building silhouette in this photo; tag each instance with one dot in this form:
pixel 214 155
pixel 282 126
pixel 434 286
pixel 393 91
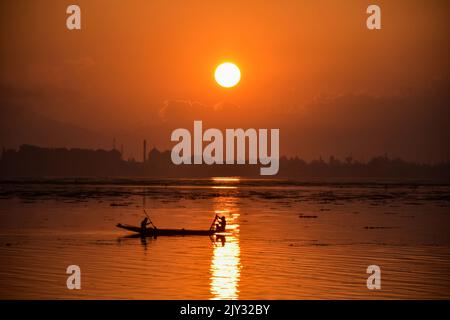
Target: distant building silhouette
pixel 145 152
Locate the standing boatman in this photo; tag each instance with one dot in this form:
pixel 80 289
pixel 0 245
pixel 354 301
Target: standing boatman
pixel 222 224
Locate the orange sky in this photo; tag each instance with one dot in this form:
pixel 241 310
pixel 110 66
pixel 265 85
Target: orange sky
pixel 139 69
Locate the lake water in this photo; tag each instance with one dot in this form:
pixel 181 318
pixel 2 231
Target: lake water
pixel 285 240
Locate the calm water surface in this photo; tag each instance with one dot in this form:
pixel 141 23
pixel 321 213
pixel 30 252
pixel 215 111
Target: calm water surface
pixel 284 240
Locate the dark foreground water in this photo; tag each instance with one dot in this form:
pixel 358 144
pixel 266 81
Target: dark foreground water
pixel 285 240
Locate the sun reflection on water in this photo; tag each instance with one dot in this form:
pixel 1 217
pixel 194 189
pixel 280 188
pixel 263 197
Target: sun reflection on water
pixel 225 264
pixel 226 179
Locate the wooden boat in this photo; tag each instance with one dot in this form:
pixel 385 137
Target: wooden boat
pixel 153 232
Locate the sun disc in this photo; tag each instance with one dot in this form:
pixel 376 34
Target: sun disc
pixel 227 75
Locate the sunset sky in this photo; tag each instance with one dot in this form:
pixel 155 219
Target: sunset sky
pixel 139 69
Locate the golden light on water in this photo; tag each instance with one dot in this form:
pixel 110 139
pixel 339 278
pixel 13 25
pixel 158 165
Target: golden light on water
pixel 226 263
pixel 226 179
pixel 225 182
pixel 224 187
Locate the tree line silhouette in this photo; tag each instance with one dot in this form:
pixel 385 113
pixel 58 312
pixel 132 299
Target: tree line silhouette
pixel 33 161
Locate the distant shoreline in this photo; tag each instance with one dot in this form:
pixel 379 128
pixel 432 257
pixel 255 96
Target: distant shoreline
pixel 33 162
pixel 202 181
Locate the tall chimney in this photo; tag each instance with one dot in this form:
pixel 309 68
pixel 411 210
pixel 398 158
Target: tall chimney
pixel 145 151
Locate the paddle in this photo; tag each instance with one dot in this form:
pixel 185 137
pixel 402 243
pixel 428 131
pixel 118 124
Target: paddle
pixel 150 220
pixel 214 221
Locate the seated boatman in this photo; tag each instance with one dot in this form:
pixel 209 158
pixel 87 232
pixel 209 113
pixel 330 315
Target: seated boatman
pixel 144 224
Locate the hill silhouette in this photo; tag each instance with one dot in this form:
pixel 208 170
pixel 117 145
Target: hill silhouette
pixel 18 124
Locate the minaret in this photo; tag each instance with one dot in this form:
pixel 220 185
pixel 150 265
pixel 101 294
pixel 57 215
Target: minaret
pixel 145 151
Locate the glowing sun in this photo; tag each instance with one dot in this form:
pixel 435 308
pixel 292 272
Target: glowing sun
pixel 227 75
